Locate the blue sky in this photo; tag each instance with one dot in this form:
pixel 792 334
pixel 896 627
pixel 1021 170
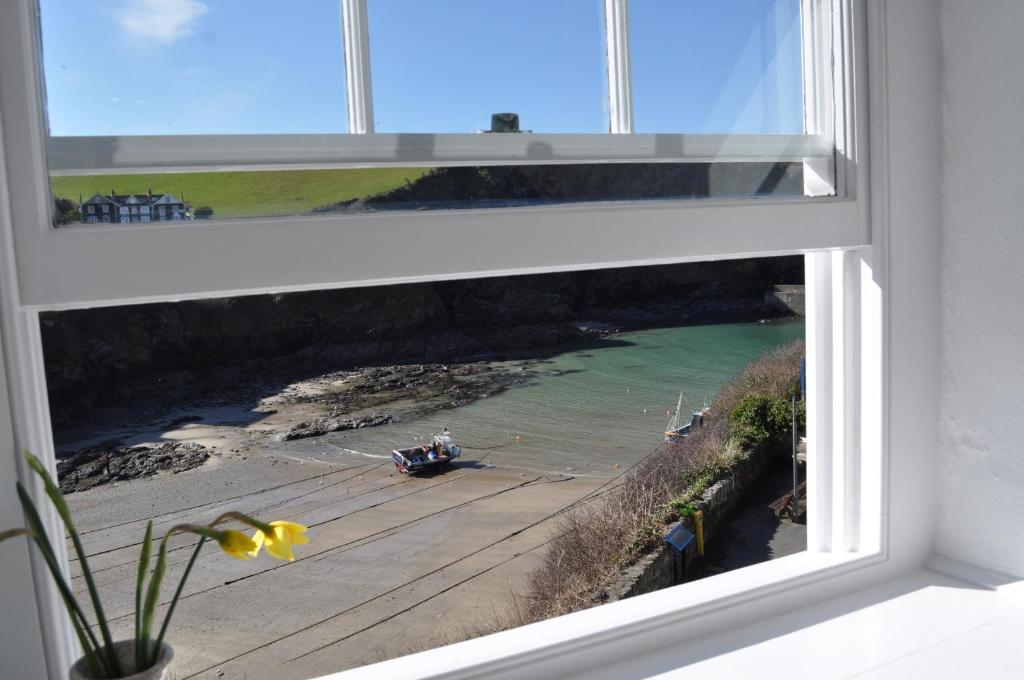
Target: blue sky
pixel 268 66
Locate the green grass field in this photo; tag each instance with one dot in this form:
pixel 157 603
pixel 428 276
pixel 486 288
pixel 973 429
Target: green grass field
pixel 262 193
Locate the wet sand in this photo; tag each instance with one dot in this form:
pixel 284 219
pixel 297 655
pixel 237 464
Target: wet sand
pixel 395 563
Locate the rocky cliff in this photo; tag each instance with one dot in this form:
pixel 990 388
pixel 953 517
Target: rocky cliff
pixel 110 355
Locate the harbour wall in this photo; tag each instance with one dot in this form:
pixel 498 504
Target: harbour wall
pixel 790 296
pixel 662 568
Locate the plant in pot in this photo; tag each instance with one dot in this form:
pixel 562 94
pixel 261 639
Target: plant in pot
pixel 146 656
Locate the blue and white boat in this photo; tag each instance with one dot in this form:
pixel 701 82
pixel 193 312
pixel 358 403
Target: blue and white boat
pixel 441 451
pixel 675 431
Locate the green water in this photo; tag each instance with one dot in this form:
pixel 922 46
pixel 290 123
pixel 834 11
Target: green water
pixel 583 411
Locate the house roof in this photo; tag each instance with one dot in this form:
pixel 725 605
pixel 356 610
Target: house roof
pixel 133 199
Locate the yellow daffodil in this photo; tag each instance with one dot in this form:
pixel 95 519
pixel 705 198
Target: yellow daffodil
pixel 280 541
pixel 237 544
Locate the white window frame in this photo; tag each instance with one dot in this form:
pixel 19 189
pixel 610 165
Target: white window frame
pixel 52 269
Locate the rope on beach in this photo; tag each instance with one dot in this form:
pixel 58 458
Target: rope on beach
pixel 590 496
pixel 222 500
pixel 326 521
pixel 586 498
pixel 376 597
pixel 254 512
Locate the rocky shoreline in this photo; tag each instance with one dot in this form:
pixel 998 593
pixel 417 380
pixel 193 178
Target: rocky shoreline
pixel 413 391
pixel 113 462
pixel 311 407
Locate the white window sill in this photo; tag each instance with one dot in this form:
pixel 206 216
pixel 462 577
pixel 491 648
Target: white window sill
pixel 962 622
pixel 623 625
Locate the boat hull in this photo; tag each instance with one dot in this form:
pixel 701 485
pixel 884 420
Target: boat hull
pixel 413 460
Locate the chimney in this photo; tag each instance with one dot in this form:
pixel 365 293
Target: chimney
pixel 149 192
pixel 79 199
pixel 111 194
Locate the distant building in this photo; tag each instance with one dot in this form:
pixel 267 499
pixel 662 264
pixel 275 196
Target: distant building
pixel 124 209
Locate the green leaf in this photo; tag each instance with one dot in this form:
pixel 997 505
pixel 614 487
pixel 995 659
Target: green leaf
pixel 11 533
pixel 86 637
pixel 147 549
pixel 57 498
pixel 152 595
pixel 174 600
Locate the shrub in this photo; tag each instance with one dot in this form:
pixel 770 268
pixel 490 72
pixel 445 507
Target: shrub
pixel 760 418
pixel 615 527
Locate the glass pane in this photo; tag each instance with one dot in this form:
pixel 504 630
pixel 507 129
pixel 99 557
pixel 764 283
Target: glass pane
pixel 594 411
pixel 165 67
pixel 139 198
pixel 716 67
pixel 447 66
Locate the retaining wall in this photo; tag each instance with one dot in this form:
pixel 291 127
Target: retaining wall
pixel 792 297
pixel 660 569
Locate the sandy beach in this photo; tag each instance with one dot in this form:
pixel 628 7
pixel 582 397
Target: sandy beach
pixel 395 563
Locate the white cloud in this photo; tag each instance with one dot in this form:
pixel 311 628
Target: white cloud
pixel 161 20
pixel 115 99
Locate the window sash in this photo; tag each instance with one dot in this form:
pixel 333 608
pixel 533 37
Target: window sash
pixel 163 153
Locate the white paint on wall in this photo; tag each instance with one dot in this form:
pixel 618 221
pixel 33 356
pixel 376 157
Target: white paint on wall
pixel 981 451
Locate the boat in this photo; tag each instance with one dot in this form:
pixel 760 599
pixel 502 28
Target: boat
pixel 441 451
pixel 674 431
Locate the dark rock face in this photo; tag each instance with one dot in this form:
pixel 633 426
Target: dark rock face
pixel 111 355
pixel 469 187
pixel 322 426
pixel 107 463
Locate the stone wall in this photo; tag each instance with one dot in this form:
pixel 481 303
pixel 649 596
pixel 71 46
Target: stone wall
pixel 661 568
pixel 791 297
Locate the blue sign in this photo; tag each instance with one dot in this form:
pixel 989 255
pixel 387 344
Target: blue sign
pixel 679 538
pixel 803 376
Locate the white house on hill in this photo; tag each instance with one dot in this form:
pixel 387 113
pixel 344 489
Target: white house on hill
pixel 129 208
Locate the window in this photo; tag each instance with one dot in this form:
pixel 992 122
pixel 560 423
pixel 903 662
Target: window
pixel 550 410
pixel 101 267
pixel 213 57
pixel 476 59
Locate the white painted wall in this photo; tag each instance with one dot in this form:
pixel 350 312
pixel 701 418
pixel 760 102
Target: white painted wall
pixel 981 452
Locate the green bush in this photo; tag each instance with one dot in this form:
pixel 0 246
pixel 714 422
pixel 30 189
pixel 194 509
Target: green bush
pixel 760 418
pixel 695 482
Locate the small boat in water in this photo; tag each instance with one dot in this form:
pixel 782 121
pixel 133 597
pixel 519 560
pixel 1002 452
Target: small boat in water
pixel 441 451
pixel 675 431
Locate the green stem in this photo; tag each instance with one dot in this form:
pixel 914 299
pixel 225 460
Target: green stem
pixel 147 549
pixel 96 669
pixel 174 600
pixel 244 519
pixel 90 645
pixel 53 491
pixel 152 593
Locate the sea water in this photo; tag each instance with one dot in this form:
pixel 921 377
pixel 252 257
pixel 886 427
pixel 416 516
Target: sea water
pixel 584 411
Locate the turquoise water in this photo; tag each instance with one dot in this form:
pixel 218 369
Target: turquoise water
pixel 585 410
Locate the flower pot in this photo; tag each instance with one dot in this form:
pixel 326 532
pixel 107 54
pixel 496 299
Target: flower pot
pixel 125 650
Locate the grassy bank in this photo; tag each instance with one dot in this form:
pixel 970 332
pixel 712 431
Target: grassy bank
pixel 594 543
pixel 262 193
